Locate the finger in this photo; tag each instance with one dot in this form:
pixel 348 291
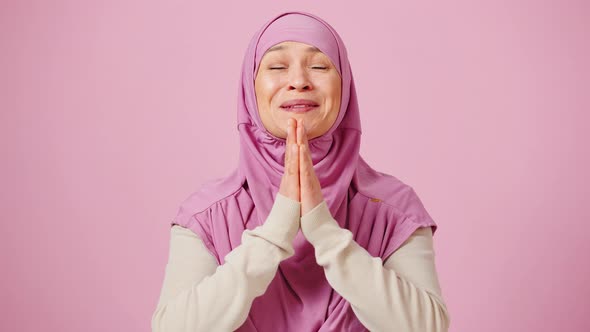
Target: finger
pixel 293 155
pixel 302 134
pixel 306 172
pixel 291 135
pixel 305 161
pixel 300 131
pixel 291 176
pixel 302 158
pixel 303 140
pixel 295 171
pixel 294 149
pixel 289 141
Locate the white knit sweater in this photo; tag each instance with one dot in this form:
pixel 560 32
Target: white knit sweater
pixel 199 295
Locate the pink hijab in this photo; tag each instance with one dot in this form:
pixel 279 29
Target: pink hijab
pixel 380 210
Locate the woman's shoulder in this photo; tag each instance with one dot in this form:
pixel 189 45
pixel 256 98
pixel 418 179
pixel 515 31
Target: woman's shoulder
pixel 392 194
pixel 207 196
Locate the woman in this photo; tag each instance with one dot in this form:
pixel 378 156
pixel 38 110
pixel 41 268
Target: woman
pixel 304 235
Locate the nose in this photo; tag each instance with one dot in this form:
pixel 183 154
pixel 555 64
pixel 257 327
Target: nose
pixel 299 79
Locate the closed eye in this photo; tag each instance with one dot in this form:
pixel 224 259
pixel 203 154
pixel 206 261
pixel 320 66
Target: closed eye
pixel 276 68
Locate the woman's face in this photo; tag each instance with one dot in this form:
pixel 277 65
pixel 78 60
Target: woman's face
pixel 289 71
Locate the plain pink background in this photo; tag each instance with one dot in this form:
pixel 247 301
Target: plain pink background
pixel 114 111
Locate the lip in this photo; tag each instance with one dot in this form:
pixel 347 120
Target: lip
pixel 293 102
pixel 303 109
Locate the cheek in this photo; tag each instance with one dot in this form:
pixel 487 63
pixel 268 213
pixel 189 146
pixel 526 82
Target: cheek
pixel 332 91
pixel 266 89
pixel 337 90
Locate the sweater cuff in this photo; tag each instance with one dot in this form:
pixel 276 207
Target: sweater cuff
pixel 318 224
pixel 283 219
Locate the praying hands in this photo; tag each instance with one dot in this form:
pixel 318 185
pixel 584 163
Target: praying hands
pixel 299 182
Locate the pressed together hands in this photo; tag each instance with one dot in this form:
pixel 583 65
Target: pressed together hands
pixel 299 181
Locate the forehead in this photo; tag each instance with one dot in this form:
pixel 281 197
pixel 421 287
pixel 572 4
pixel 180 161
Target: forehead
pixel 292 47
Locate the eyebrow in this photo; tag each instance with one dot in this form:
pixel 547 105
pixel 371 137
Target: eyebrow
pixel 282 47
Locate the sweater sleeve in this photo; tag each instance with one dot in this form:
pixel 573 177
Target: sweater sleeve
pixel 199 295
pixel 402 295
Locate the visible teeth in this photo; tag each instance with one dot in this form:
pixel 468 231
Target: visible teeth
pixel 301 106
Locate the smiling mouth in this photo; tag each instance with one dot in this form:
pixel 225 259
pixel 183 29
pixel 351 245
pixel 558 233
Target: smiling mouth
pixel 299 108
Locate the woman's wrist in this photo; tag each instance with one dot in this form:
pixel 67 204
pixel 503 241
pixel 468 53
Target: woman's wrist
pixel 284 216
pixel 318 223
